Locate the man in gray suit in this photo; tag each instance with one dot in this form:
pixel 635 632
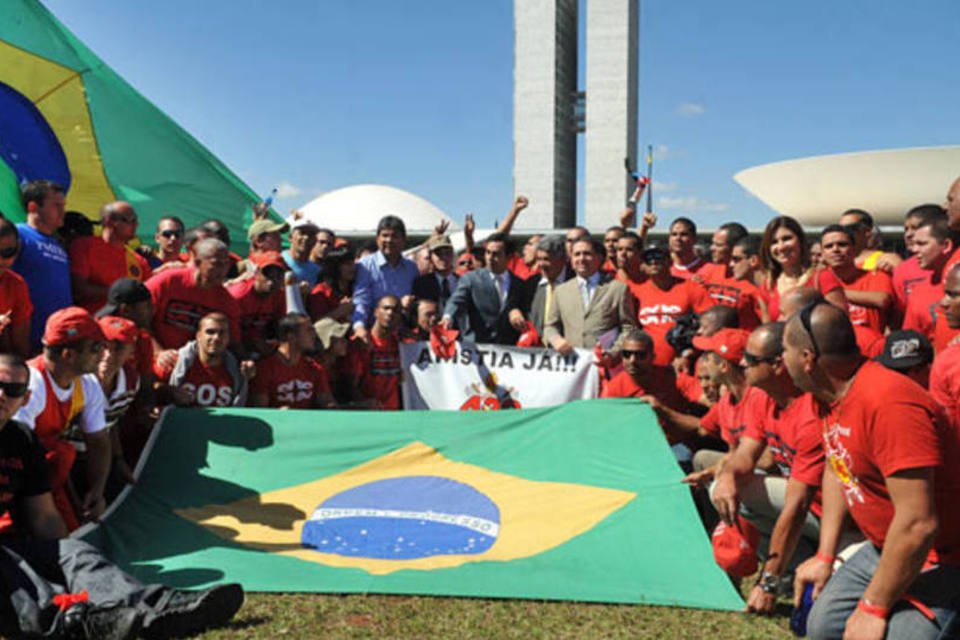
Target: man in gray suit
pixel 588 306
pixel 484 297
pixel 552 271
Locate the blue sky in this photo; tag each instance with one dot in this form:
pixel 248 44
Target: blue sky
pixel 314 96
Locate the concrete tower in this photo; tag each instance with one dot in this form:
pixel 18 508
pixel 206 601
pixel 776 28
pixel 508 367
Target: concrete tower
pixel 549 110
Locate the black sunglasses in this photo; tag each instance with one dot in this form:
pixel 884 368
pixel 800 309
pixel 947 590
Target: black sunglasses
pixel 9 252
pixel 171 233
pixel 13 389
pixel 627 353
pixel 752 360
pixel 805 313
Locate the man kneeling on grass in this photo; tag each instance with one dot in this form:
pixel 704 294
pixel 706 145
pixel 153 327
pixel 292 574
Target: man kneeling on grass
pixel 52 586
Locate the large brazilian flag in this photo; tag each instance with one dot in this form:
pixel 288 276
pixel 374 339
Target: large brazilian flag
pixel 66 116
pixel 578 502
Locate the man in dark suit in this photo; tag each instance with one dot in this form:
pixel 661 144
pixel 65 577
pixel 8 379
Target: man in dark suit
pixel 439 285
pixel 552 271
pixel 484 298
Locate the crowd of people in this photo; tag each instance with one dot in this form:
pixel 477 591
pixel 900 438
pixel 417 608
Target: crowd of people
pixel 798 379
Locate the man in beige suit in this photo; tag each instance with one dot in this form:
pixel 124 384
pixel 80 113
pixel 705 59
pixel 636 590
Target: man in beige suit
pixel 589 305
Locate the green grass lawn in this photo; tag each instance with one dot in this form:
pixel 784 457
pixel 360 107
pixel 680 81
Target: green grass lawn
pixel 374 616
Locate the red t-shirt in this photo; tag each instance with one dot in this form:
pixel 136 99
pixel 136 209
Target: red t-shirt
pixel 15 297
pixel 690 387
pixel 742 295
pixel 943 335
pixel 869 340
pixel 711 272
pixel 945 381
pixel 519 268
pixel 662 385
pixel 868 281
pixel 887 423
pixel 211 386
pixel 179 305
pixel 823 281
pixel 728 420
pixel 685 272
pixel 793 436
pixel 257 312
pixel 143 353
pixel 100 262
pixel 290 386
pixel 658 310
pixel 906 276
pixel 378 369
pixel 322 301
pixel 922 304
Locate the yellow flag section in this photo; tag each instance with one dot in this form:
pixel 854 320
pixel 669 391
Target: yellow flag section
pixel 533 516
pixel 582 501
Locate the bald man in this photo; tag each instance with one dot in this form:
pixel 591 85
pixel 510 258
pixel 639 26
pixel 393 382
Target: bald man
pixel 869 340
pixel 886 444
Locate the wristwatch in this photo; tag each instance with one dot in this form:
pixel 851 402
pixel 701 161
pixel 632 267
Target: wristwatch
pixel 769 583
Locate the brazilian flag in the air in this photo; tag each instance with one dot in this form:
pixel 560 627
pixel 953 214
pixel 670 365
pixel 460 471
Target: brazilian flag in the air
pixel 66 116
pixel 579 502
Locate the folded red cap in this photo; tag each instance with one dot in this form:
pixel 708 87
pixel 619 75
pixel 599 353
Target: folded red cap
pixel 735 548
pixel 729 344
pixel 529 337
pixel 119 329
pixel 265 259
pixel 70 325
pixel 443 341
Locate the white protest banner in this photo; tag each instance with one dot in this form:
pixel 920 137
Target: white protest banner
pixel 486 376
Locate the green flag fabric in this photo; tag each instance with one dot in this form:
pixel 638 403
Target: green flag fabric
pixel 578 502
pixel 66 116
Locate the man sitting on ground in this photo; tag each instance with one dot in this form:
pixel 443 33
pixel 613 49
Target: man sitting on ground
pixel 290 378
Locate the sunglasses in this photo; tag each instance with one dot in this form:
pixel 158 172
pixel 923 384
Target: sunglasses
pixel 13 389
pixel 752 360
pixel 654 258
pixel 171 233
pixel 9 252
pixel 626 353
pixel 805 314
pixel 127 219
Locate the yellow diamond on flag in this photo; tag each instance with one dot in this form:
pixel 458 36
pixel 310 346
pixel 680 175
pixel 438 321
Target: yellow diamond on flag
pixel 413 509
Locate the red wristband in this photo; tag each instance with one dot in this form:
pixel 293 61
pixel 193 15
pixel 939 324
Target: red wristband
pixel 872 609
pixel 822 557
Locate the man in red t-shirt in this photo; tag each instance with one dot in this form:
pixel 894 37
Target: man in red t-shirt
pixel 869 293
pixel 206 374
pixel 952 207
pixel 935 248
pixel 261 302
pixel 290 378
pixel 869 340
pixel 663 298
pixel 96 262
pixel 182 296
pixel 16 308
pixel 908 274
pixel 375 368
pixel 721 247
pixel 945 372
pixel 891 454
pixel 640 377
pixel 780 505
pixel 684 262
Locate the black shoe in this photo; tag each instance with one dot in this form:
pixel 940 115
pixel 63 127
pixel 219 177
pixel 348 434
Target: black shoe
pixel 184 613
pixel 86 622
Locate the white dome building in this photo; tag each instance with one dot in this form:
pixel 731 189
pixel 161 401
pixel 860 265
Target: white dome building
pixel 356 210
pixel 886 183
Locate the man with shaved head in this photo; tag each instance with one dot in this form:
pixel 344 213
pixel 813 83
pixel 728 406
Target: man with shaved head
pixel 869 340
pixel 784 507
pixel 887 445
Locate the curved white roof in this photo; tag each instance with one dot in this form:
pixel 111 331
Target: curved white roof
pixel 358 209
pixel 886 183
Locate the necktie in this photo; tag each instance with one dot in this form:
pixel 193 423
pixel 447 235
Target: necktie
pixel 549 302
pixel 585 293
pixel 498 283
pixel 445 288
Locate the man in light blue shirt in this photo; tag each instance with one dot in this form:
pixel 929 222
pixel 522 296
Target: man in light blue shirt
pixel 303 237
pixel 381 273
pixel 43 261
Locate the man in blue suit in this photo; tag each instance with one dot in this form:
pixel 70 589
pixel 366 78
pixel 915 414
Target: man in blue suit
pixel 481 303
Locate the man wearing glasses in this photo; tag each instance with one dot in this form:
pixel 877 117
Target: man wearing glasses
pixel 96 262
pixel 66 402
pixel 892 461
pixel 169 239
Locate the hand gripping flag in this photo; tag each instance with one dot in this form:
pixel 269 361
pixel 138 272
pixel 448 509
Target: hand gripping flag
pixel 578 502
pixel 66 116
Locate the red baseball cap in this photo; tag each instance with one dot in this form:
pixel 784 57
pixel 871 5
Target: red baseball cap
pixel 729 344
pixel 264 259
pixel 118 329
pixel 735 548
pixel 70 325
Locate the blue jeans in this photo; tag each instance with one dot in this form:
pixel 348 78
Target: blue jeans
pixel 938 589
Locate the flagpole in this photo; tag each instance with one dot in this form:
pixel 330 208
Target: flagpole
pixel 650 177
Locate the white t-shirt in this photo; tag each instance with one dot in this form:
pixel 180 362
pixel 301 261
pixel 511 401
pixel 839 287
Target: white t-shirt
pixel 92 418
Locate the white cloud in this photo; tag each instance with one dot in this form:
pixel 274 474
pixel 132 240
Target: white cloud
pixel 663 152
pixel 690 109
pixel 288 190
pixel 691 204
pixel 665 186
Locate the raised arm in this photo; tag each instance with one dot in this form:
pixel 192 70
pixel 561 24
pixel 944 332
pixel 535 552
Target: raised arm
pixel 519 205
